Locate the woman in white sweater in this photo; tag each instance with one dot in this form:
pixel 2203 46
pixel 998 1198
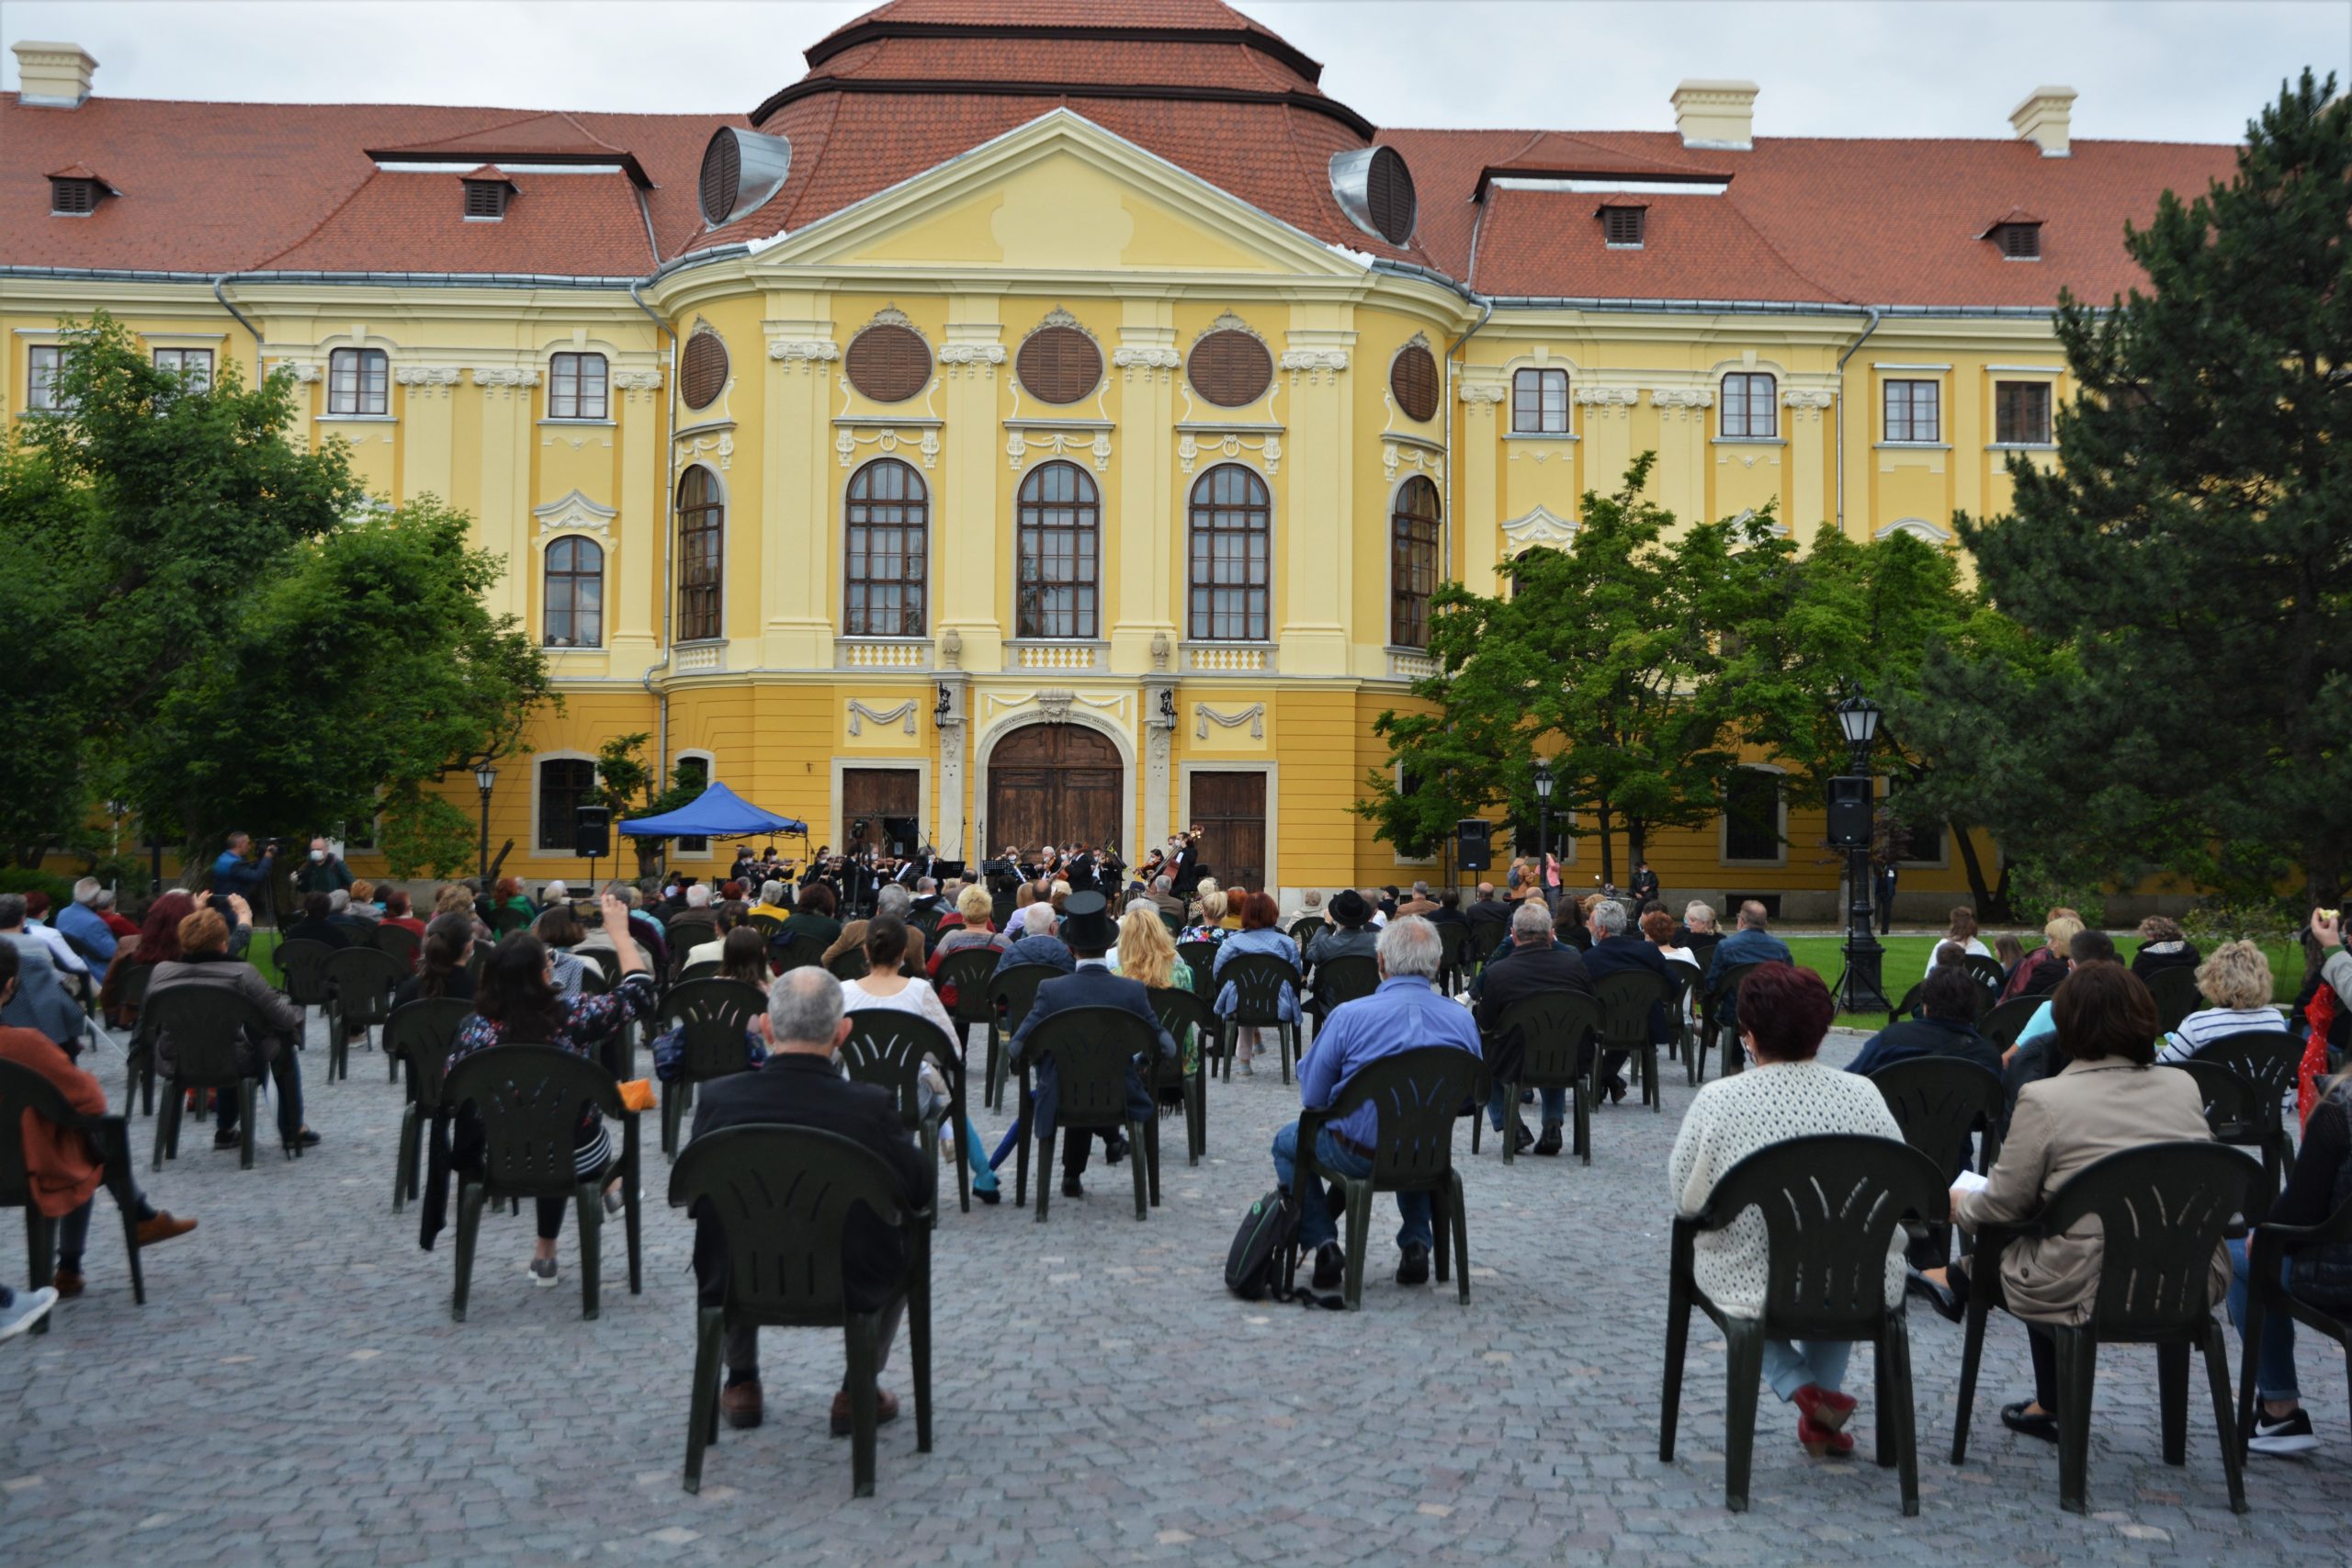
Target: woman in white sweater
pixel 1785 1093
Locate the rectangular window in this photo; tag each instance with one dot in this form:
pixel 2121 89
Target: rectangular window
pixel 576 387
pixel 1751 410
pixel 566 783
pixel 192 366
pixel 1539 402
pixel 1922 834
pixel 692 772
pixel 357 381
pixel 1752 816
pixel 2021 413
pixel 1622 226
pixel 40 387
pixel 1911 413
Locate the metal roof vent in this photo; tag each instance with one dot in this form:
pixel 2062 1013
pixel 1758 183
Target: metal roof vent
pixel 1375 190
pixel 741 170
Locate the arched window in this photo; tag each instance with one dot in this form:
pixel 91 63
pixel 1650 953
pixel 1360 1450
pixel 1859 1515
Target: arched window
pixel 575 592
pixel 702 535
pixel 889 524
pixel 1412 562
pixel 1061 528
pixel 1232 555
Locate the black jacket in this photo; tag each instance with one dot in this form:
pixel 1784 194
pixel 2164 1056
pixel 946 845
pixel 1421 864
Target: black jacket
pixel 1525 972
pixel 1616 955
pixel 796 1089
pixel 1093 986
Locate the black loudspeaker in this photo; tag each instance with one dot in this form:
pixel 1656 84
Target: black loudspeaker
pixel 592 832
pixel 1851 805
pixel 901 836
pixel 1475 849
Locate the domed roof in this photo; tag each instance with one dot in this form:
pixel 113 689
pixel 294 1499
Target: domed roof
pixel 908 86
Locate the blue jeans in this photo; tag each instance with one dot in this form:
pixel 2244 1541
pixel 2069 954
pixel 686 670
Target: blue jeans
pixel 1555 1105
pixel 1790 1364
pixel 1315 1224
pixel 2274 1367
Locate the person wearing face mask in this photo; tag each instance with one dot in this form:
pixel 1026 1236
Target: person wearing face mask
pixel 323 871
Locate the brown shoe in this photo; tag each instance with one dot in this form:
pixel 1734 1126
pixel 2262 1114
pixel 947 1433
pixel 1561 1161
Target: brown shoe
pixel 886 1408
pixel 68 1284
pixel 739 1402
pixel 162 1227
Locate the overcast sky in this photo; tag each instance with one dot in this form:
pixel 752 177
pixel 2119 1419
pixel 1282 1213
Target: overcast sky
pixel 2149 70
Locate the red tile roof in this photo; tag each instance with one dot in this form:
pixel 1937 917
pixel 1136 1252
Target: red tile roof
pixel 415 222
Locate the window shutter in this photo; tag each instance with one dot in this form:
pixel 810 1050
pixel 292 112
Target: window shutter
pixel 2022 240
pixel 1624 225
pixel 889 364
pixel 1058 365
pixel 485 198
pixel 1389 192
pixel 72 196
pixel 723 174
pixel 1230 368
pixel 703 372
pixel 1412 377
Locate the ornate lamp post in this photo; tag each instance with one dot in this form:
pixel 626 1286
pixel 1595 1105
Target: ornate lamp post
pixel 1542 828
pixel 1857 719
pixel 485 777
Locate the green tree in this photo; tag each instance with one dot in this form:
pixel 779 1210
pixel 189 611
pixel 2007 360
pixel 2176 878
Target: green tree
pixel 49 703
pixel 2183 567
pixel 1605 656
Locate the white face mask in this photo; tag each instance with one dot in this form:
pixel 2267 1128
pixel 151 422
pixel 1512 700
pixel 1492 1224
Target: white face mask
pixel 318 855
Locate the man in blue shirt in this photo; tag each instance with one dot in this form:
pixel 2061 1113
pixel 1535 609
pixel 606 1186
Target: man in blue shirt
pixel 83 924
pixel 232 873
pixel 1404 1014
pixel 1751 944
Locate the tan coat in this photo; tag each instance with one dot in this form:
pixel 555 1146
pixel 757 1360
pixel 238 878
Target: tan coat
pixel 2089 1110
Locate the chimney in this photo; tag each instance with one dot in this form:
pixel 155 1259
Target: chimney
pixel 1716 114
pixel 2044 117
pixel 53 76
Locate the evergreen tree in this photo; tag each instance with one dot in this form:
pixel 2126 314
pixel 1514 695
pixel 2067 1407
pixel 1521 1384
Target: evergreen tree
pixel 2187 566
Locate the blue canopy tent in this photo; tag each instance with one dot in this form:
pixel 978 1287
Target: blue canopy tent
pixel 717 813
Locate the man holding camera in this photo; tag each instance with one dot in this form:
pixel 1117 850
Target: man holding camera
pixel 233 873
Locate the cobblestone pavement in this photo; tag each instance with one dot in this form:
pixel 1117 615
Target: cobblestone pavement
pixel 295 1392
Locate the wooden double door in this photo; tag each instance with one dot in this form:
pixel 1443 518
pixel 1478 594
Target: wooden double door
pixel 1056 783
pixel 1229 809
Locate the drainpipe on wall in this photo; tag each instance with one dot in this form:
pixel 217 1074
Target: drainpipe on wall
pixel 219 293
pixel 1851 348
pixel 669 490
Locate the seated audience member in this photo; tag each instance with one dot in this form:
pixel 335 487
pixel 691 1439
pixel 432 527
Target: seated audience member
pixel 1449 911
pixel 357 930
pixel 2046 966
pixel 40 1000
pixel 696 895
pixel 553 894
pixel 117 922
pixel 1751 942
pixel 1037 944
pixel 2237 980
pixel 2009 952
pixel 801 1086
pixel 1164 897
pixel 1146 954
pixel 647 930
pixel 2162 945
pixel 69 963
pixel 1962 930
pixel 442 969
pixel 2319 1275
pixel 509 895
pixel 2036 1055
pixel 1786 1093
pixel 1487 908
pixel 1698 919
pixel 398 912
pixel 205 960
pixel 318 923
pixel 724 918
pixel 1211 928
pixel 743 955
pixel 1950 954
pixel 1613 952
pixel 812 914
pixel 632 932
pixel 1259 934
pixel 1945 1025
pixel 80 921
pixel 887 987
pixel 1658 930
pixel 516 999
pixel 1405 1013
pixel 64 1167
pixel 973 908
pixel 366 905
pixel 157 938
pixel 1091 934
pixel 1348 933
pixel 559 932
pixel 2105 1100
pixel 897 902
pixel 1420 903
pixel 1535 966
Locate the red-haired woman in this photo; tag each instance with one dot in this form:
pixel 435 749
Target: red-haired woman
pixel 1260 917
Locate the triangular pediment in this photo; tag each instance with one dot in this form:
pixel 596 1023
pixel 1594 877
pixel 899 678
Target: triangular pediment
pixel 1059 194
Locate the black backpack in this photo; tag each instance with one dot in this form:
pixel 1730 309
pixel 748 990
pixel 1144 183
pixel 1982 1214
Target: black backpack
pixel 1269 1231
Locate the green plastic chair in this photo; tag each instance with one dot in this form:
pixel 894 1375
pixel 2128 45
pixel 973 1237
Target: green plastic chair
pixel 1199 957
pixel 529 1099
pixel 1683 978
pixel 1258 979
pixel 2233 1112
pixel 2006 1020
pixel 207 1028
pixel 1010 995
pixel 360 983
pixel 2270 1245
pixel 714 1014
pixel 1343 980
pixel 1987 972
pixel 1716 1020
pixel 782 1198
pixel 1941 1102
pixel 685 933
pixel 25 1092
pixel 849 963
pixel 420 1033
pixel 138 1055
pixel 966 972
pixel 1626 999
pixel 1831 1206
pixel 505 920
pixel 1556 1030
pixel 400 942
pixel 301 972
pixel 1179 1010
pixel 706 970
pixel 886 1048
pixel 1093 1049
pixel 2175 989
pixel 1418 1096
pixel 768 926
pixel 2268 1059
pixel 797 949
pixel 2161 1209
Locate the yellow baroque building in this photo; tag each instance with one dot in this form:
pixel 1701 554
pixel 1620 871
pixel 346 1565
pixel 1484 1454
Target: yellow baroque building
pixel 1047 419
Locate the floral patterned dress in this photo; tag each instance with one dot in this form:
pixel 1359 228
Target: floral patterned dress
pixel 589 1021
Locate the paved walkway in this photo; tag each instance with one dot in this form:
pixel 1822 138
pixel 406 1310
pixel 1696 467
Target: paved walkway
pixel 295 1392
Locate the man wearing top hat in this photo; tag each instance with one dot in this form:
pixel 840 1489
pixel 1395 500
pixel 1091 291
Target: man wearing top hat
pixel 1087 930
pixel 1347 934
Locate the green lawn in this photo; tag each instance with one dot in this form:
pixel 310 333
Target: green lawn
pixel 259 954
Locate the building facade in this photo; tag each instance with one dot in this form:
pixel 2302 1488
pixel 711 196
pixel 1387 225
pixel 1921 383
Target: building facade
pixel 1048 420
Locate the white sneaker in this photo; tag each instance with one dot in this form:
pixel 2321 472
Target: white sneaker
pixel 2290 1433
pixel 542 1272
pixel 28 1308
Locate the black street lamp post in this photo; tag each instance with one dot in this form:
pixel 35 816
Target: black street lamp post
pixel 1865 992
pixel 485 776
pixel 1542 828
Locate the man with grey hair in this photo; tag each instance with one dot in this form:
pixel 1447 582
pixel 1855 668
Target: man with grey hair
pixel 1404 1014
pixel 1163 895
pixel 927 904
pixel 1753 942
pixel 1614 951
pixel 895 902
pixel 40 999
pixel 801 1086
pixel 1532 964
pixel 697 896
pixel 80 922
pixel 1038 944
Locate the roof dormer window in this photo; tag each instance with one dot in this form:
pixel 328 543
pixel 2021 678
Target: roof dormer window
pixel 488 190
pixel 2017 236
pixel 1623 223
pixel 75 192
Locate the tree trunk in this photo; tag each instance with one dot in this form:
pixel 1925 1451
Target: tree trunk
pixel 1992 903
pixel 1607 865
